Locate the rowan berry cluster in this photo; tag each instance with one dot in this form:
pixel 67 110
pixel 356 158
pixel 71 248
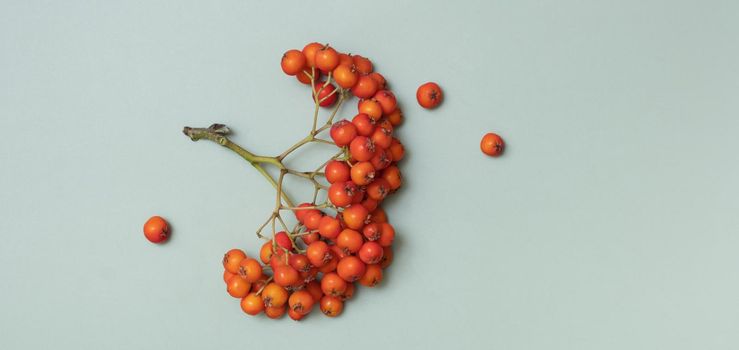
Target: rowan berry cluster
pixel 346 239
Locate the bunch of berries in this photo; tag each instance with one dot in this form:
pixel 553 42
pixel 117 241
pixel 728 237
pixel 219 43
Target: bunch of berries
pixel 345 240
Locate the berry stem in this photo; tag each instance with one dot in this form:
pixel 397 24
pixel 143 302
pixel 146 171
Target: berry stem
pixel 324 141
pixel 297 145
pixel 321 206
pixel 218 133
pixel 330 121
pixel 302 233
pixel 259 230
pixel 314 132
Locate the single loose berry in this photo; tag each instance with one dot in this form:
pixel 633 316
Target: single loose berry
pixel 156 229
pixel 429 95
pixel 492 144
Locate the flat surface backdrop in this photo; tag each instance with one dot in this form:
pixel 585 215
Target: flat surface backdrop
pixel 610 223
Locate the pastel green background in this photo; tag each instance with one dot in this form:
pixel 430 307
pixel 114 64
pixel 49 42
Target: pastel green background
pixel 610 223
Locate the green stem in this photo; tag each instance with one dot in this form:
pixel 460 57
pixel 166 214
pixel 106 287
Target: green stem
pixel 297 145
pixel 217 133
